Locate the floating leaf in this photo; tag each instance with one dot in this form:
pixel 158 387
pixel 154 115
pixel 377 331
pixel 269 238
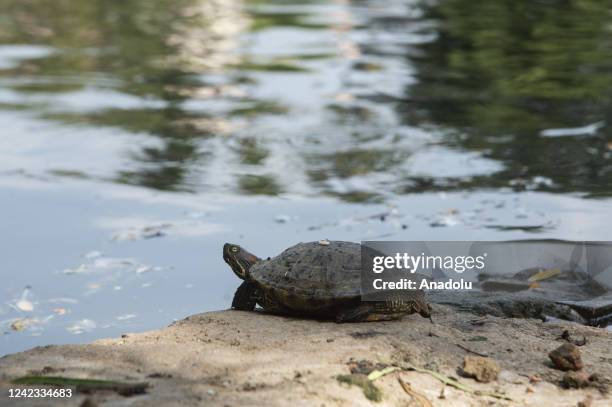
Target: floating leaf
pixel 544 275
pixel 20 324
pixel 84 325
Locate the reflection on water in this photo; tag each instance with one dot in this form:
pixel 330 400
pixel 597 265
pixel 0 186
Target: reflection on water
pixel 499 74
pixel 325 97
pixel 152 132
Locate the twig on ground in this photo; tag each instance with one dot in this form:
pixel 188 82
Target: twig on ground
pixel 465 348
pixel 418 397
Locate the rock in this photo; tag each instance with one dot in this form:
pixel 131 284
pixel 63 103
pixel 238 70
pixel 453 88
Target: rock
pixel 523 304
pixel 88 403
pixel 594 310
pixel 480 368
pixel 535 379
pixel 594 377
pixel 575 380
pixel 260 372
pixel 566 357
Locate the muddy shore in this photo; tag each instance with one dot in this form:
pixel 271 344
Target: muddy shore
pixel 233 358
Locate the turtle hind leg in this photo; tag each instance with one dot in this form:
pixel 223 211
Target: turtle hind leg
pixel 245 297
pixel 366 312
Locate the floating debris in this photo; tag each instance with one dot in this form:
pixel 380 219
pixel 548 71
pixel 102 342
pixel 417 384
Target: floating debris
pixel 356 220
pixel 20 324
pixel 146 232
pixel 132 229
pixel 79 327
pixel 102 264
pixel 126 317
pixel 93 255
pixel 30 324
pixel 23 304
pixel 282 219
pixel 63 299
pixel 143 269
pixel 449 220
pixel 587 130
pixel 112 263
pixel 147 269
pixel 154 231
pixel 59 311
pixel 344 97
pixel 78 270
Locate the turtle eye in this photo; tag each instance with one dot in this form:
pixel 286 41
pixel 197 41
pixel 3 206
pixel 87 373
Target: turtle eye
pixel 234 249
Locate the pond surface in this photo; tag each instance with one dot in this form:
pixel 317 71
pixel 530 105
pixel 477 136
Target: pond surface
pixel 137 138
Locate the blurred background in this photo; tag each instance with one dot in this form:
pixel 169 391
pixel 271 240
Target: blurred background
pixel 137 137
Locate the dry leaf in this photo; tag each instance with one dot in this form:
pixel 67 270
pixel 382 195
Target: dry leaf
pixel 544 274
pixel 419 398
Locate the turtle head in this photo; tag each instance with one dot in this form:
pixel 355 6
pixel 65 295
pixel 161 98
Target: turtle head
pixel 239 260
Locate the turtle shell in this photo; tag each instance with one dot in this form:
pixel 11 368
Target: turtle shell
pixel 312 274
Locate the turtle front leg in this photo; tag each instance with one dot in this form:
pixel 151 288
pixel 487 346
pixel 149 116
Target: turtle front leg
pixel 246 296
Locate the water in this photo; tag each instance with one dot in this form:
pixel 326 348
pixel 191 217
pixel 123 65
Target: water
pixel 137 138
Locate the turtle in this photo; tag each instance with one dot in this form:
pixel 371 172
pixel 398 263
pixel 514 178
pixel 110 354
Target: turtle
pixel 316 279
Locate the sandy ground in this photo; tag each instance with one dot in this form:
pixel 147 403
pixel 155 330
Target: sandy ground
pixel 234 358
